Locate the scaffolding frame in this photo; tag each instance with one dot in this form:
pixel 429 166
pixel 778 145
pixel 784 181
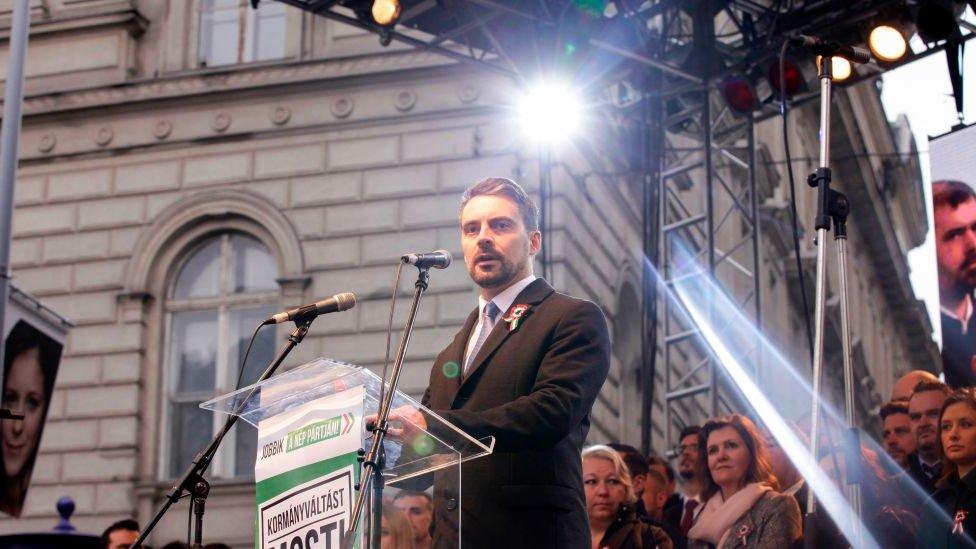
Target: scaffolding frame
pixel 698 171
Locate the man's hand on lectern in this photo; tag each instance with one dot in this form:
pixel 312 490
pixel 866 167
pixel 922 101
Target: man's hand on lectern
pixel 402 423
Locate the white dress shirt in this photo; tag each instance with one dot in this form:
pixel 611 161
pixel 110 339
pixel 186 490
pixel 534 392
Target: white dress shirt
pixel 503 301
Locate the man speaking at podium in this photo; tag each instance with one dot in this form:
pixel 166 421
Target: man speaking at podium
pixel 525 369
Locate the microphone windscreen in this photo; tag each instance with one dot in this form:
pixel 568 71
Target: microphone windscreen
pixel 345 301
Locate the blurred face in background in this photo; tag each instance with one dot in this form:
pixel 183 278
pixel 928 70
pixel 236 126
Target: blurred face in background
pixel 669 489
pixel 777 457
pixel 923 413
pixel 605 491
pixel 122 539
pixel 654 495
pixel 419 512
pixel 24 393
pixel 688 457
pixel 897 438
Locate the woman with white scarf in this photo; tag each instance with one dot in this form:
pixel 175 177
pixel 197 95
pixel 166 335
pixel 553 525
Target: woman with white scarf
pixel 742 507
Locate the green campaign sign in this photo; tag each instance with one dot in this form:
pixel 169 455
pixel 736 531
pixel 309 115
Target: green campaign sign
pixel 306 471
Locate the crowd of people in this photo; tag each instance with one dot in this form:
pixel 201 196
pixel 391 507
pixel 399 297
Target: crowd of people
pixel 734 486
pixel 407 518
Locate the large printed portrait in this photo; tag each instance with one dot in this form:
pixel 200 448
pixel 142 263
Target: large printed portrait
pixel 30 366
pixel 954 231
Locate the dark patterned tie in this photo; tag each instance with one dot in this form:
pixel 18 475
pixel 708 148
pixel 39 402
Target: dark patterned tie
pixel 491 311
pixel 689 516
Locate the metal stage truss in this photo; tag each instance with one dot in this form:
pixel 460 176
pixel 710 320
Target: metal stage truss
pixel 692 157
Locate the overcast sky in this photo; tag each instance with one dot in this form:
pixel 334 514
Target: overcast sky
pixel 921 90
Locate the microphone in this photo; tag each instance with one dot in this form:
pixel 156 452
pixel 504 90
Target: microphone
pixel 336 303
pixel 831 49
pixel 438 259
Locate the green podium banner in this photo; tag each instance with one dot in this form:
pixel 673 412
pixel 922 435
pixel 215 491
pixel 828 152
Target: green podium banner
pixel 306 470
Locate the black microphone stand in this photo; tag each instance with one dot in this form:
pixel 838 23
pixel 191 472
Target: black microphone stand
pixel 192 480
pixel 373 461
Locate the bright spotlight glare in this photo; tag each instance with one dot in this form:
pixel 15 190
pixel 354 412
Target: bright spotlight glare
pixel 840 68
pixel 549 113
pixel 385 12
pixel 730 335
pixel 887 44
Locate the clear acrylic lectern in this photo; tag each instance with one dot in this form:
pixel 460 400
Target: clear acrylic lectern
pixel 409 462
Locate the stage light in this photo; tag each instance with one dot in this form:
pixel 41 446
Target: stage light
pixel 791 74
pixel 887 43
pixel 840 68
pixel 549 112
pixel 740 94
pixel 385 12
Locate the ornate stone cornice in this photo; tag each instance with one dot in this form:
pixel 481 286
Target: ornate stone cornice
pixel 211 81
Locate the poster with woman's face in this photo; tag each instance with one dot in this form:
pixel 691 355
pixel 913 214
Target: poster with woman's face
pixel 30 365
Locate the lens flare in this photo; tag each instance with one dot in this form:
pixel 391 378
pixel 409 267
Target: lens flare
pixel 736 345
pixel 549 113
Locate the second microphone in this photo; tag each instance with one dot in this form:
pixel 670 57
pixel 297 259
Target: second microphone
pixel 336 303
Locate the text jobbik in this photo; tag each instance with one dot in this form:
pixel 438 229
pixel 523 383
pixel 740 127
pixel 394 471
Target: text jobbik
pixel 306 469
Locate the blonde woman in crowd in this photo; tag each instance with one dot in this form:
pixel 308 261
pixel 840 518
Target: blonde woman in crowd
pixel 397 532
pixel 611 504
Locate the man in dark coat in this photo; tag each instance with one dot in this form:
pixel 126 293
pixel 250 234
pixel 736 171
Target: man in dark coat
pixel 954 213
pixel 525 369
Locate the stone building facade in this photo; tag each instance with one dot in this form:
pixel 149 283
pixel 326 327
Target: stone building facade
pixel 172 192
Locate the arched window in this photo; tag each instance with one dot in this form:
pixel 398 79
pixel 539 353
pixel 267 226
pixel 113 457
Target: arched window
pixel 223 288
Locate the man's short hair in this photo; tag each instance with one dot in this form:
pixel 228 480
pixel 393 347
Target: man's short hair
pixel 499 186
pixel 668 470
pixel 635 461
pixel 951 193
pixel 656 475
pixel 413 494
pixel 926 386
pixel 892 408
pixel 689 430
pixel 124 524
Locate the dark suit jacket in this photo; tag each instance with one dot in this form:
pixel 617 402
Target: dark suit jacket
pixel 673 511
pixel 957 351
pixel 532 389
pixel 918 475
pixel 954 499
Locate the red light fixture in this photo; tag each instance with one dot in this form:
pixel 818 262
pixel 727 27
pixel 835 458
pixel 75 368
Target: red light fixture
pixel 740 94
pixel 791 74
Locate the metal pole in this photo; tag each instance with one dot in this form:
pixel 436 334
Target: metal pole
pixel 9 139
pixel 853 443
pixel 818 326
pixel 832 205
pixel 373 461
pixel 545 222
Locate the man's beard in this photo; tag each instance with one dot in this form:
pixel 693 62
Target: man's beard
pixel 926 447
pixel 687 475
pixel 506 273
pixel 966 277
